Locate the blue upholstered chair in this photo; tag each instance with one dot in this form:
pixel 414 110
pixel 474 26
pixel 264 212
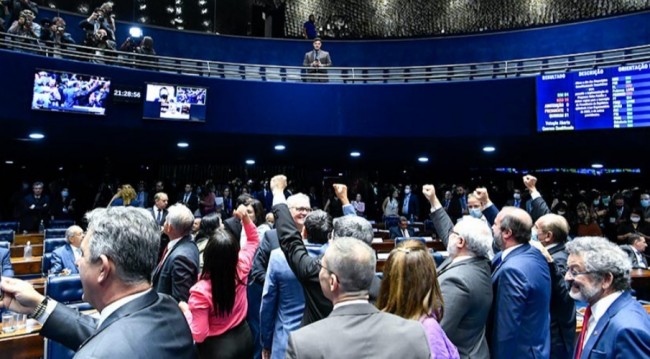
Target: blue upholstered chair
pixel 60 224
pixel 55 233
pixel 7 235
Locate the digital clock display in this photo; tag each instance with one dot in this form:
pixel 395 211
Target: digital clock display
pixel 127 94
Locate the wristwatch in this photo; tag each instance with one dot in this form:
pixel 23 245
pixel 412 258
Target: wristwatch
pixel 40 310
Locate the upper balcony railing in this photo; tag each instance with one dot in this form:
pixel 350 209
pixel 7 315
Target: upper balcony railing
pixel 349 75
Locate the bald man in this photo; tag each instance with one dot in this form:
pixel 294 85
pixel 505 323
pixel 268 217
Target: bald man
pixel 519 320
pixel 64 258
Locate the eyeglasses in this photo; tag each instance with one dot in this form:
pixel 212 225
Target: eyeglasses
pixel 319 261
pixel 301 209
pixel 573 273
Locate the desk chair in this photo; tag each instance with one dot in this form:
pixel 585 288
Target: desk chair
pixel 12 225
pixel 60 223
pixel 7 235
pixel 55 233
pixel 65 290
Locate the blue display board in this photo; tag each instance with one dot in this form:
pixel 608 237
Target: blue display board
pixel 608 98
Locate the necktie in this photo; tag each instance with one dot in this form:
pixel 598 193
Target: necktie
pixel 159 218
pixel 583 332
pixel 187 197
pixel 496 263
pixel 162 258
pixel 517 203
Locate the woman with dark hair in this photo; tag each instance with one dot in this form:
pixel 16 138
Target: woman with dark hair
pixel 405 292
pixel 216 310
pixel 634 225
pixel 209 224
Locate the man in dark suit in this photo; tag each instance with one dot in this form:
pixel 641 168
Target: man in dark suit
pixel 465 279
pixel 521 282
pixel 64 258
pixel 36 209
pixel 178 269
pixel 306 268
pixel 134 320
pixel 516 200
pixel 316 60
pixel 615 324
pixel 410 204
pixel 189 198
pixel 402 229
pixel 458 204
pixel 5 260
pixel 159 209
pixel 357 327
pixel 635 249
pixel 265 196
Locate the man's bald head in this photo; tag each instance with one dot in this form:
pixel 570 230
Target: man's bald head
pixel 517 221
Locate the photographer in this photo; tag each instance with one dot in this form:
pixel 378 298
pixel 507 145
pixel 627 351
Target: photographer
pixel 95 22
pixel 13 8
pixel 25 26
pixel 143 47
pixel 53 33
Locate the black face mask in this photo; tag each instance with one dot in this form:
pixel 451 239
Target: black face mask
pixel 619 207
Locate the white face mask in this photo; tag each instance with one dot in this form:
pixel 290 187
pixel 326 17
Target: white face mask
pixel 516 196
pixel 407 190
pixel 635 219
pixel 561 213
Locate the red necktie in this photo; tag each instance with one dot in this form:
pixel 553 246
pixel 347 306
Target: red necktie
pixel 162 258
pixel 583 332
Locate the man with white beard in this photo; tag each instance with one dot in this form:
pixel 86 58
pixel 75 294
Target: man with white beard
pixel 615 325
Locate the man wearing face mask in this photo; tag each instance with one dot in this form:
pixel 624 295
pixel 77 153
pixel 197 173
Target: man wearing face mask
pixel 516 200
pixel 635 226
pixel 410 204
pixel 63 206
pixel 644 200
pixel 618 213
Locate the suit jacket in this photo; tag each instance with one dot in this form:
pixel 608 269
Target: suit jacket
pixel 397 232
pixel 323 57
pixel 466 288
pixel 5 259
pixel 192 202
pixel 163 218
pixel 519 319
pixel 63 258
pixel 563 309
pixel 150 326
pixel 633 258
pixel 622 332
pixel 413 206
pixel 512 202
pixel 538 209
pixel 361 331
pixel 179 271
pixel 267 200
pixel 32 216
pixel 261 260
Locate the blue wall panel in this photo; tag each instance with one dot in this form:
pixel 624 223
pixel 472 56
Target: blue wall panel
pixel 478 108
pixel 609 33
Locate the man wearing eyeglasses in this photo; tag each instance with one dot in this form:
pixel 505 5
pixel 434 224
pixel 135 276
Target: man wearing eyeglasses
pixel 64 258
pixel 615 325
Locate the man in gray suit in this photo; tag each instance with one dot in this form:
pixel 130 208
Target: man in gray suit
pixel 118 255
pixel 316 60
pixel 465 278
pixel 355 328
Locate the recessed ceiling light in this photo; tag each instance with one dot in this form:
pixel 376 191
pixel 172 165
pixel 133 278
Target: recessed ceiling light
pixel 355 154
pixel 36 136
pixel 9 162
pixel 489 149
pixel 613 180
pixel 183 145
pixel 597 165
pixel 250 162
pixel 423 159
pixel 280 147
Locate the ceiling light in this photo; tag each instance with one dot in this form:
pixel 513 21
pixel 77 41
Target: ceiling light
pixel 355 154
pixel 183 145
pixel 597 166
pixel 36 136
pixel 489 149
pixel 280 147
pixel 9 162
pixel 250 162
pixel 422 159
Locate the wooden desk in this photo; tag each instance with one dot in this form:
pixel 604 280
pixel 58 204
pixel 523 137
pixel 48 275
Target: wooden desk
pixel 24 266
pixel 33 238
pixel 24 343
pixel 39 284
pixel 19 250
pixel 641 283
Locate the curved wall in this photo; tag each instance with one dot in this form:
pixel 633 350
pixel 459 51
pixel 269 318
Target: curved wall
pixel 609 33
pixel 485 108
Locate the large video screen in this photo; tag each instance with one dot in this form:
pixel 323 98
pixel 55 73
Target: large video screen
pixel 70 92
pixel 175 102
pixel 617 97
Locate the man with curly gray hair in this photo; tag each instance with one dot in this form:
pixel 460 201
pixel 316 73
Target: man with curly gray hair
pixel 615 325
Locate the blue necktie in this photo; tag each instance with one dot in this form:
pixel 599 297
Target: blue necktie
pixel 159 218
pixel 496 263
